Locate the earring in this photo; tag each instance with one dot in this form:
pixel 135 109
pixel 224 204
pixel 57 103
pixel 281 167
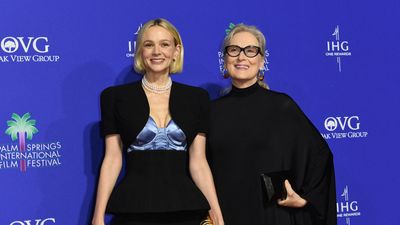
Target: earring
pixel 225 74
pixel 261 74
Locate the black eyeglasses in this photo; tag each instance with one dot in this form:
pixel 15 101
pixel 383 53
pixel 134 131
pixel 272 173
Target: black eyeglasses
pixel 250 51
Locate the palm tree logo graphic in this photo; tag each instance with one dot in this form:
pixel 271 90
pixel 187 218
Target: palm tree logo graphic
pixel 21 128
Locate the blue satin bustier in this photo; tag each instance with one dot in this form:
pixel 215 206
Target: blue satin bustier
pixel 151 137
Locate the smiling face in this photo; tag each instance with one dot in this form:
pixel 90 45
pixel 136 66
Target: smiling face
pixel 158 50
pixel 242 69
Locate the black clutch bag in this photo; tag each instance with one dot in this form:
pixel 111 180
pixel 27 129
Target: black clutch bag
pixel 273 185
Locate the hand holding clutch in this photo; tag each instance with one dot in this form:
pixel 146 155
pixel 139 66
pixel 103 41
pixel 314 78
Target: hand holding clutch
pixel 273 185
pixel 292 199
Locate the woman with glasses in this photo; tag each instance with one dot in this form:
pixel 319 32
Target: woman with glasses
pixel 159 127
pixel 270 164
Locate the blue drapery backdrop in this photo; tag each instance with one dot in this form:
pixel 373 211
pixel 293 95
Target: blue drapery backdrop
pixel 337 59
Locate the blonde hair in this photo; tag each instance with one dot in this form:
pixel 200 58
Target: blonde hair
pixel 177 65
pixel 257 34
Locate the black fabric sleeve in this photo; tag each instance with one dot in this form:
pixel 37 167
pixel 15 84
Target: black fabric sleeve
pixel 107 105
pixel 314 164
pixel 203 121
pixel 319 189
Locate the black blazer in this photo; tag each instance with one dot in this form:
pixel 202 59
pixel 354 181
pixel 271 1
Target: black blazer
pixel 125 110
pixel 156 181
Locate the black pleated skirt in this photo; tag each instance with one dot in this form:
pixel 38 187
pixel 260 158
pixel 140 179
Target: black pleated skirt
pixel 170 218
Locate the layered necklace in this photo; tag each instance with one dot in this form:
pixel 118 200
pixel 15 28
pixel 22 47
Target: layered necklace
pixel 156 89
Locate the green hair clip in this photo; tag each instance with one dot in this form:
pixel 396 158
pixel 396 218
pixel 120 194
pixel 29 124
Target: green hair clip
pixel 231 26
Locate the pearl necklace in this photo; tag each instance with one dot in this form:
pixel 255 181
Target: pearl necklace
pixel 156 89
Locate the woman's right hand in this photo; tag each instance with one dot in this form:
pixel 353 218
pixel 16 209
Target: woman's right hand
pixel 293 199
pixel 216 217
pixel 98 221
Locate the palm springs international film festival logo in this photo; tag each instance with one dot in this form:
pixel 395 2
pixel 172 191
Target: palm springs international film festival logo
pixel 337 48
pixel 346 208
pixel 221 54
pixel 340 127
pixel 132 44
pixel 24 154
pixel 26 49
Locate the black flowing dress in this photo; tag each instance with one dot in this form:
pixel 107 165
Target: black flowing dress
pixel 254 131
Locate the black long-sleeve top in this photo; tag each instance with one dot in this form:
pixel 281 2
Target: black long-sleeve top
pixel 254 131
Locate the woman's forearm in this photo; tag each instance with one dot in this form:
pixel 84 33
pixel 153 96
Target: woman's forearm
pixel 110 169
pixel 202 177
pixel 109 172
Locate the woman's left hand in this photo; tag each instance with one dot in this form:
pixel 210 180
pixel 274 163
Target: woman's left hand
pixel 216 217
pixel 292 200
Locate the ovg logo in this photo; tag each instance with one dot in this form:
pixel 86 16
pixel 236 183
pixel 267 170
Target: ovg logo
pixel 346 207
pixel 26 154
pixel 221 54
pixel 331 124
pixel 343 127
pixel 337 48
pixel 47 221
pixel 12 44
pixel 26 49
pixel 132 44
pixel 352 122
pixel 9 45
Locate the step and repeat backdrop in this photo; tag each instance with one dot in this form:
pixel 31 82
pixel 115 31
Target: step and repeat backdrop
pixel 337 59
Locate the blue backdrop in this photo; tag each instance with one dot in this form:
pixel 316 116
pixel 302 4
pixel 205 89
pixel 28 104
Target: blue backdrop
pixel 337 59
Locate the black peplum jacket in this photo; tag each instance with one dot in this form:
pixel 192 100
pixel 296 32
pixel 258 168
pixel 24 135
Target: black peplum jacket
pixel 155 180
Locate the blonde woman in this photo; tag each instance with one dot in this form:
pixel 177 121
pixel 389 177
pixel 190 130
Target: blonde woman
pixel 160 127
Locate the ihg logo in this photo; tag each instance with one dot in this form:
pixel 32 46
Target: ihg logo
pixel 13 44
pixel 46 221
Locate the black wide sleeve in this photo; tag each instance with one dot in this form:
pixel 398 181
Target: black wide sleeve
pixel 313 167
pixel 203 118
pixel 107 105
